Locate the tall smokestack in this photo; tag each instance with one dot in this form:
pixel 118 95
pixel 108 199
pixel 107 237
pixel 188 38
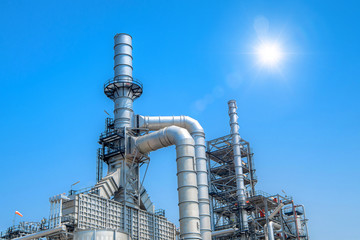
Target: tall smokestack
pixel 123 57
pixel 123 89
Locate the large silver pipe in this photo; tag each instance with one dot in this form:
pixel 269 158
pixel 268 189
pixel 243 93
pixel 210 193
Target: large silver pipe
pixel 197 132
pixel 123 97
pixel 186 174
pixel 269 230
pixel 240 186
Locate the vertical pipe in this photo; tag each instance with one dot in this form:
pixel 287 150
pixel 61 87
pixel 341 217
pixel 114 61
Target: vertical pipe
pixel 267 225
pixel 203 187
pixel 250 162
pixel 307 233
pixel 123 97
pixel 296 222
pixel 212 219
pixel 282 221
pixel 240 186
pixel 123 56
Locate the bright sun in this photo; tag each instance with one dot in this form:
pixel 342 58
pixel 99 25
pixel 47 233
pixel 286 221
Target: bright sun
pixel 269 54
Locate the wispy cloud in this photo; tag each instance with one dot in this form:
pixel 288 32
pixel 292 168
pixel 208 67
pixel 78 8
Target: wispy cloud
pixel 201 104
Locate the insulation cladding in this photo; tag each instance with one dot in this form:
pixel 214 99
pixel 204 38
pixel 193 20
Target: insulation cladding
pixel 90 211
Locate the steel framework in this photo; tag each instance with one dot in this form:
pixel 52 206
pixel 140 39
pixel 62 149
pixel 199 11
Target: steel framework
pixel 222 182
pixel 263 209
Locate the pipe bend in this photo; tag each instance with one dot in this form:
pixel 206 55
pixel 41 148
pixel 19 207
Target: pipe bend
pixel 178 135
pixel 165 137
pixel 189 216
pixel 193 125
pixel 159 122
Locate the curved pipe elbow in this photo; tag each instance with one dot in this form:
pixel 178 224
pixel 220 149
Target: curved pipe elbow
pixel 165 137
pixel 186 174
pixel 193 125
pixel 157 123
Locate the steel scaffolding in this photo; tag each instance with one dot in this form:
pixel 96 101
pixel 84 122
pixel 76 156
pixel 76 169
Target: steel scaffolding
pixel 222 182
pixel 263 209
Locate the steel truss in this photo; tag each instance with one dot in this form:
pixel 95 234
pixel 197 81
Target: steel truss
pixel 222 182
pixel 262 208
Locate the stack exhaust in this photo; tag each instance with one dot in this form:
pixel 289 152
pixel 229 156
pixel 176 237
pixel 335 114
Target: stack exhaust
pixel 123 57
pixel 123 89
pixel 184 132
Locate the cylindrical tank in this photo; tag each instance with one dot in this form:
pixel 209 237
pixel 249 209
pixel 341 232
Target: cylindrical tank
pixel 101 235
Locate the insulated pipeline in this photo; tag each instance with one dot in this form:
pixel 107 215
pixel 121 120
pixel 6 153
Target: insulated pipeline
pixel 197 132
pixel 186 174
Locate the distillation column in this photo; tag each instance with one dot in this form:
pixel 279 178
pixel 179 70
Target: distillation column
pixel 240 186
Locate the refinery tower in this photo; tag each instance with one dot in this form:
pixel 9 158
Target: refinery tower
pixel 216 180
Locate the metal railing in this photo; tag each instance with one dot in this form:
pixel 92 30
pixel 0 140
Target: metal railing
pixel 123 79
pixel 86 190
pixel 111 133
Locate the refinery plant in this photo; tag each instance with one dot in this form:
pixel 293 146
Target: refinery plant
pixel 217 195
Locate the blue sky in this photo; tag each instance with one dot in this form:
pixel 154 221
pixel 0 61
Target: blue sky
pixel 192 57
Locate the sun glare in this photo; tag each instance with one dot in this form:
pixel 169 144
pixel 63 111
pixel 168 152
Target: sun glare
pixel 270 54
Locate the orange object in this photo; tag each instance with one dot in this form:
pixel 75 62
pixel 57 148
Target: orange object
pixel 18 213
pixel 262 213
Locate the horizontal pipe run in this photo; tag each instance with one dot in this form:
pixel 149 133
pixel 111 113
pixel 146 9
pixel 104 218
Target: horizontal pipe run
pixel 224 232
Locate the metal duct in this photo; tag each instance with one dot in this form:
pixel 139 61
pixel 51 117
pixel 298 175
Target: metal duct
pixel 187 184
pixel 240 187
pixel 269 230
pixel 123 96
pixel 197 132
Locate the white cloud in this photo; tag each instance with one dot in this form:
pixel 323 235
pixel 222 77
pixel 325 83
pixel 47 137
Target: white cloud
pixel 202 103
